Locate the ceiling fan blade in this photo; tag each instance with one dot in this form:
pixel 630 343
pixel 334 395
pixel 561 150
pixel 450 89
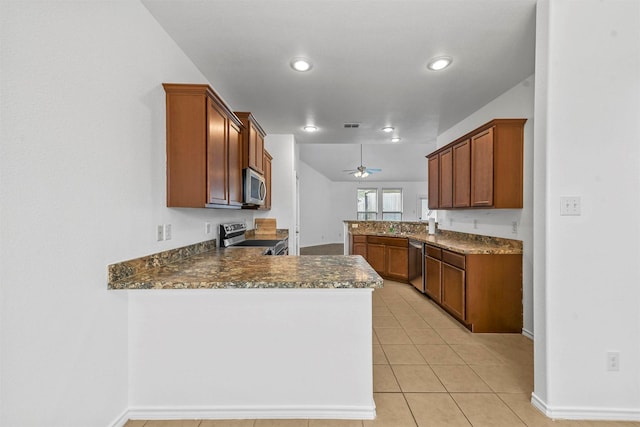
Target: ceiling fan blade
pixel 374 170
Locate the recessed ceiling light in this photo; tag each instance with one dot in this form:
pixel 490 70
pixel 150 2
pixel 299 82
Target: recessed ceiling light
pixel 301 64
pixel 439 63
pixel 310 128
pixel 387 129
pixel 395 139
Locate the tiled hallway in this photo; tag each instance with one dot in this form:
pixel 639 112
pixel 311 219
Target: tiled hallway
pixel 431 372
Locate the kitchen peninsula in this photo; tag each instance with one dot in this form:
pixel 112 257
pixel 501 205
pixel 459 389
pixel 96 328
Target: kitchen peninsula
pixel 230 333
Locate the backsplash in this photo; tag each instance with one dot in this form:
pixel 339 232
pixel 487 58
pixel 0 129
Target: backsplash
pixel 390 226
pixel 132 267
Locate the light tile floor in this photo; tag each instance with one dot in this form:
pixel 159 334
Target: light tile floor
pixel 429 371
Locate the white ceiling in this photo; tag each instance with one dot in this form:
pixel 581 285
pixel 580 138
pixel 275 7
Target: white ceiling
pixel 369 67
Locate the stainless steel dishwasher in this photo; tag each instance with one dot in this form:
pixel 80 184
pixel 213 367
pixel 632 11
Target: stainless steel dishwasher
pixel 416 264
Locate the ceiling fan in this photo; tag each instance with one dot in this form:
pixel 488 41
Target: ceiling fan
pixel 362 171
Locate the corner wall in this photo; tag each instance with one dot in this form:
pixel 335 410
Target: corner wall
pixel 515 103
pixel 588 147
pixel 82 167
pixel 283 184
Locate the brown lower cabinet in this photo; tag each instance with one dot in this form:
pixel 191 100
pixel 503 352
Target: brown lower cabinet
pixel 389 256
pixel 482 291
pixel 433 272
pixel 359 246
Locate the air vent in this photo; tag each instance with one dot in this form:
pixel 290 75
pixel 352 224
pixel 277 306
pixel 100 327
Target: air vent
pixel 351 125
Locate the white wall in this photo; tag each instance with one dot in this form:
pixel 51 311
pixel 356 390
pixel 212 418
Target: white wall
pixel 587 144
pixel 283 184
pixel 316 212
pixel 82 173
pixel 251 353
pixel 325 204
pixel 515 103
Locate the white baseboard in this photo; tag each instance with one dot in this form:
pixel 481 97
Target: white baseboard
pixel 527 333
pixel 582 413
pixel 121 420
pixel 246 412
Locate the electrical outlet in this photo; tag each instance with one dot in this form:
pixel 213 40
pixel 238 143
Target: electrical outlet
pixel 514 227
pixel 207 228
pixel 570 205
pixel 613 361
pixel 167 232
pixel 160 233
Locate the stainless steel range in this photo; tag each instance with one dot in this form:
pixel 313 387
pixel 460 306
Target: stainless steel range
pixel 232 235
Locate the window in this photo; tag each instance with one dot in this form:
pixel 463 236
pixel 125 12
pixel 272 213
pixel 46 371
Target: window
pixel 367 203
pixel 392 204
pixel 423 208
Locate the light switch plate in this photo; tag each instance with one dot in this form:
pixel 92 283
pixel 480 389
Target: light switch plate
pixel 570 205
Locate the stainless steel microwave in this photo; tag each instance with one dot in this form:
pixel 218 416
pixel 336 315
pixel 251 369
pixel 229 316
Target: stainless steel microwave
pixel 255 189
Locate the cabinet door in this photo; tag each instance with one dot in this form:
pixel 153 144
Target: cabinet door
pixel 433 274
pixel 482 169
pixel 267 179
pixel 453 290
pixel 446 178
pixel 259 152
pixel 358 245
pixel 217 160
pixel 235 165
pixel 376 257
pixel 397 262
pixel 461 174
pixel 359 249
pixel 255 148
pixel 434 182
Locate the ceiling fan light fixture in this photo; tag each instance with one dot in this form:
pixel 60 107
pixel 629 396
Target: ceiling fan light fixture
pixel 387 129
pixel 439 63
pixel 310 128
pixel 358 174
pixel 301 64
pixel 365 174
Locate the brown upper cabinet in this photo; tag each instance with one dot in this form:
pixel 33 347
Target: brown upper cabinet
pixel 203 149
pixel 461 174
pixel 252 142
pixel 482 169
pixel 446 178
pixel 433 175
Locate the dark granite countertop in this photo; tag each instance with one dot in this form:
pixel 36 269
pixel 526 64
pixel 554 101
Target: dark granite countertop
pixel 204 265
pixel 465 243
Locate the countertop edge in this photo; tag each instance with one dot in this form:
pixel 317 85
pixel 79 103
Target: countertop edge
pixel 453 244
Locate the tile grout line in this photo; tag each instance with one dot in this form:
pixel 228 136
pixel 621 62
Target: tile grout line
pixel 511 409
pixel 415 421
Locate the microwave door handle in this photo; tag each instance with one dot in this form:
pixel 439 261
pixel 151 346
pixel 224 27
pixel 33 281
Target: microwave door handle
pixel 263 190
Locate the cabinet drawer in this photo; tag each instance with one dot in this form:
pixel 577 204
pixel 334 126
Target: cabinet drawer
pixel 389 241
pixel 434 252
pixel 453 258
pixel 359 239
